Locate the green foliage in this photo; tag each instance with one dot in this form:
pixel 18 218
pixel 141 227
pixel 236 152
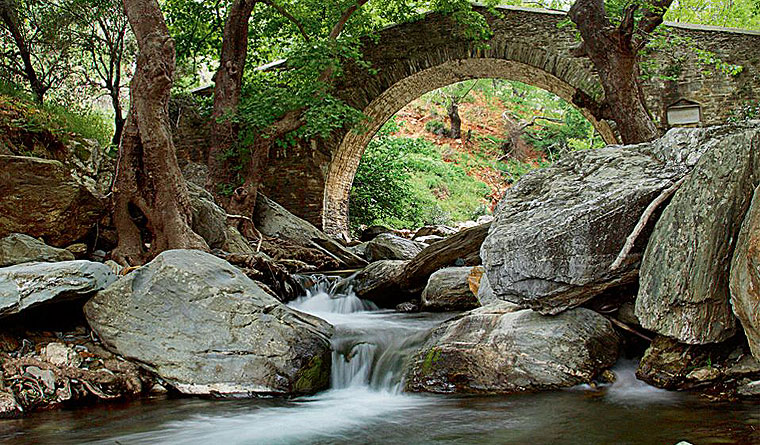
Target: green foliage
pixel 404 183
pixel 748 111
pixel 21 112
pixel 435 126
pixel 382 193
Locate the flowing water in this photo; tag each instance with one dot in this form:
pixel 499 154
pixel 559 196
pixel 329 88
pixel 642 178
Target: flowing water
pixel 366 405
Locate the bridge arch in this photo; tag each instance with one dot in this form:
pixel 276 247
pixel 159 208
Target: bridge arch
pixel 530 65
pixel 314 178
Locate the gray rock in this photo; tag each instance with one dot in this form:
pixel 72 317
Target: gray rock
pixel 744 280
pixel 42 198
pixel 371 232
pixel 485 292
pixel 209 220
pixel 274 221
pixel 18 248
pixel 501 349
pixel 359 250
pixel 429 239
pixel 377 282
pixel 449 290
pixel 387 246
pixel 442 231
pixel 33 284
pixel 558 230
pixel 683 290
pixel 206 328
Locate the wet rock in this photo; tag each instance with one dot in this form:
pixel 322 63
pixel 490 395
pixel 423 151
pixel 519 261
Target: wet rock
pixel 274 221
pixel 371 232
pixel 744 283
pixel 749 389
pixel 441 231
pixel 684 291
pixel 387 246
pixel 9 407
pixel 18 248
pixel 449 290
pixel 667 363
pixel 205 328
pixel 33 284
pixel 45 376
pixel 59 354
pixel 408 306
pixel 43 199
pixel 559 229
pixel 377 282
pixel 501 349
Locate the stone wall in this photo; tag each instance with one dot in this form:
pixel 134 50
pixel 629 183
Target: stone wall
pixel 314 180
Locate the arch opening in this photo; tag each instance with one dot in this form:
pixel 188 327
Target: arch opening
pixel 348 156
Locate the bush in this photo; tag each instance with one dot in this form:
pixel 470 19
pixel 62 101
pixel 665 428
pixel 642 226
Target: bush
pixel 436 127
pixel 404 183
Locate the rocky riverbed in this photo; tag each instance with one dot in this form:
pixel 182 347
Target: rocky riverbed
pixel 644 250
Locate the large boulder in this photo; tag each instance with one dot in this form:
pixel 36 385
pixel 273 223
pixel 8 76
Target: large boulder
pixel 273 220
pixel 33 284
pixel 206 328
pixel 745 276
pixel 18 248
pixel 42 198
pixel 387 246
pixel 559 229
pixel 501 349
pixel 669 364
pixel 377 283
pixel 683 290
pixel 449 290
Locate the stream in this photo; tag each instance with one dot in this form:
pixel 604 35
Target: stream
pixel 366 405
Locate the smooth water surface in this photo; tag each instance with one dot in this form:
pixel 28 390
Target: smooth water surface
pixel 366 404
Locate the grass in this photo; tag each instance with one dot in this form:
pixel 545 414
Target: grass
pixel 20 113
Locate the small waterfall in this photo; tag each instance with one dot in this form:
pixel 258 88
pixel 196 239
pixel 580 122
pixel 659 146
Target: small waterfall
pixel 370 345
pixel 326 294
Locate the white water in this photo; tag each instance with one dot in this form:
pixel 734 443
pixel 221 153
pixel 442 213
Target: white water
pixel 366 404
pixel 369 345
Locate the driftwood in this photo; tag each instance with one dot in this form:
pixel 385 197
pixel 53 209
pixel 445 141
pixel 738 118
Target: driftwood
pixel 643 221
pixel 461 249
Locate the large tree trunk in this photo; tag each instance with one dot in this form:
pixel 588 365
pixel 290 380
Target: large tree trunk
pixel 227 89
pixel 614 53
pixel 149 186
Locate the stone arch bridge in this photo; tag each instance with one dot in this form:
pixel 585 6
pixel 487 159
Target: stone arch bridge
pixel 314 179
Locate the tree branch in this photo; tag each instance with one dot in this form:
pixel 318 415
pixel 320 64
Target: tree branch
pixel 341 24
pixel 290 17
pixel 643 221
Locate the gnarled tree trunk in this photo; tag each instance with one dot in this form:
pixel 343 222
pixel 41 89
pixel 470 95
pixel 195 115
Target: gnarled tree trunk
pixel 614 52
pixel 149 186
